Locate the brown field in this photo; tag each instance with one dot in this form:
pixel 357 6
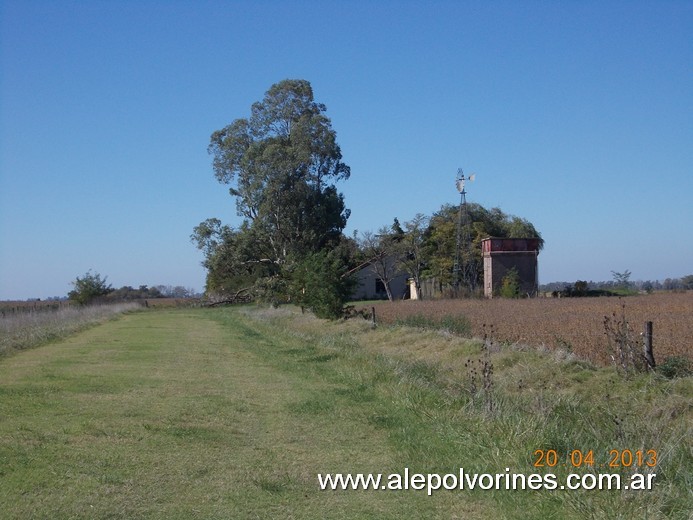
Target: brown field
pixel 9 307
pixel 573 324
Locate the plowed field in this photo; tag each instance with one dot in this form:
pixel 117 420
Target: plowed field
pixel 574 324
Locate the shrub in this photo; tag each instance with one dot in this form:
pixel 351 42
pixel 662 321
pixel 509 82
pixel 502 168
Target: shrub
pixel 455 324
pixel 88 288
pixel 676 366
pixel 510 287
pixel 318 282
pixel 625 349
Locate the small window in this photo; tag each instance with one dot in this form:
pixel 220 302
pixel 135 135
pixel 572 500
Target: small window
pixel 379 286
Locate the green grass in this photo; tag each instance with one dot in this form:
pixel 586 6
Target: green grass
pixel 232 413
pixel 454 324
pixel 439 415
pixel 186 414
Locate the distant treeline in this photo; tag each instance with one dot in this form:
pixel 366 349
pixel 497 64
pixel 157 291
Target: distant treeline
pixel 580 286
pixel 158 291
pixel 126 293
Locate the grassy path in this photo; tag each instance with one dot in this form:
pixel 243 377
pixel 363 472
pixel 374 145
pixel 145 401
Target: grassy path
pixel 189 414
pixel 232 414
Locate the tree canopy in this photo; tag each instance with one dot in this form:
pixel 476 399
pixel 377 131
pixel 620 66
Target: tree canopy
pixel 281 164
pixel 89 288
pixel 425 246
pixel 484 223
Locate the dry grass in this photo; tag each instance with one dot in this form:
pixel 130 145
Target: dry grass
pixel 572 324
pixel 170 303
pixel 34 327
pixel 447 400
pixel 9 308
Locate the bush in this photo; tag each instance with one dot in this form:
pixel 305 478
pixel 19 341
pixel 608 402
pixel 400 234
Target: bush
pixel 455 324
pixel 676 366
pixel 510 287
pixel 89 288
pixel 318 283
pixel 625 348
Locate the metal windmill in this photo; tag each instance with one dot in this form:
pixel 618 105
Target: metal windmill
pixel 464 270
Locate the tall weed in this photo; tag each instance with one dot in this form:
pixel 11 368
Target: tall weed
pixel 624 346
pixel 505 405
pixel 454 324
pixel 29 329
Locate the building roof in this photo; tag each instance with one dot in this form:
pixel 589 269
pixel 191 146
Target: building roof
pixel 509 245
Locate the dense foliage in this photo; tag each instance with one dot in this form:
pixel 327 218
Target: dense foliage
pixel 282 164
pixel 611 287
pixel 92 288
pixel 88 288
pixel 319 283
pixel 441 238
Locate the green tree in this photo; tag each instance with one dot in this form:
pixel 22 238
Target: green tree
pixel 281 164
pixel 319 282
pixel 580 288
pixel 88 288
pixel 397 231
pixel 622 280
pixel 410 249
pixel 484 223
pixel 234 259
pixel 439 245
pixel 510 285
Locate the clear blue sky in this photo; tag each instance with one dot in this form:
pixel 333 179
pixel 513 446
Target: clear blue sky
pixel 575 115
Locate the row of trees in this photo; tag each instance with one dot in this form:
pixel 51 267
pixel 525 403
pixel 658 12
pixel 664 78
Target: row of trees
pixel 282 164
pixel 618 285
pixel 424 247
pixel 92 287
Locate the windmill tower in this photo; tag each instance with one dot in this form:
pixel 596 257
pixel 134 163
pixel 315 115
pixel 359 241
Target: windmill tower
pixel 464 269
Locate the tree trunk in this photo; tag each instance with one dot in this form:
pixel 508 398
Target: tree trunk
pixel 386 283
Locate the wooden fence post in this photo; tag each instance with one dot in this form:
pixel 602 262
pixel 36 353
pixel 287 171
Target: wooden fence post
pixel 373 315
pixel 649 356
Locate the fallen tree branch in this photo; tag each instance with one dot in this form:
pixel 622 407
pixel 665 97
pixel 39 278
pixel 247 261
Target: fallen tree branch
pixel 236 298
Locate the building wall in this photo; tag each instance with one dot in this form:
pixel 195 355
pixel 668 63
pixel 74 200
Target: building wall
pixel 501 255
pixel 497 265
pixel 370 287
pixel 432 288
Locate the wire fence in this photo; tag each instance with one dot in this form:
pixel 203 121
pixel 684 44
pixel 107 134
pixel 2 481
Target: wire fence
pixel 576 325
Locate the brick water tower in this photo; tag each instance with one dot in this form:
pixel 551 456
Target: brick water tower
pixel 502 254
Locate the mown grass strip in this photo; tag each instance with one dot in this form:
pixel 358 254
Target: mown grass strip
pixel 228 413
pixel 194 414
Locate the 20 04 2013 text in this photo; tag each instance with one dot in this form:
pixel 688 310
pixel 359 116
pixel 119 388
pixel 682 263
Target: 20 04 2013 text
pixel 625 458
